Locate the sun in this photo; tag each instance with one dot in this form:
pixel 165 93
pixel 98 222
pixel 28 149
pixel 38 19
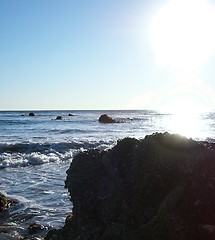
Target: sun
pixel 182 35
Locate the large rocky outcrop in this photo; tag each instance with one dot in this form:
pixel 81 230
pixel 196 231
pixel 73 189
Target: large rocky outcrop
pixel 158 188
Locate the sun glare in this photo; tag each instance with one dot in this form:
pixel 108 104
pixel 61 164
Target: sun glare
pixel 189 125
pixel 182 34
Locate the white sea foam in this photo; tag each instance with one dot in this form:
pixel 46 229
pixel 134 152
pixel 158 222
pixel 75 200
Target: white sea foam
pixel 28 153
pixel 34 158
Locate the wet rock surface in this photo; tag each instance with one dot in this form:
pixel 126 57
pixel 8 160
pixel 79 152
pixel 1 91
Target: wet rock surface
pixel 6 202
pixel 104 118
pixel 59 118
pixel 3 202
pixel 161 187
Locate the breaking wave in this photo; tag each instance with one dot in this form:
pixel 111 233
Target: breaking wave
pixel 24 154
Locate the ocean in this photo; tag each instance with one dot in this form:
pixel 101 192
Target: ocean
pixel 36 151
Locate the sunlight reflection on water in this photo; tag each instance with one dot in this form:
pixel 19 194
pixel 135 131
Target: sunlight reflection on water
pixel 189 125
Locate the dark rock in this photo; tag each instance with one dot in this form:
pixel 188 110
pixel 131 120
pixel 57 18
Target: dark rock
pixel 161 187
pixel 31 114
pixel 106 119
pixel 70 115
pixel 59 118
pixel 54 235
pixel 6 202
pixel 3 202
pixel 35 227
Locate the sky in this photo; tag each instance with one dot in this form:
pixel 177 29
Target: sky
pixel 114 54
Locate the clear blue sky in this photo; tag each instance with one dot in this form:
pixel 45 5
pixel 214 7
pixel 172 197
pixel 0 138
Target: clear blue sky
pixel 93 54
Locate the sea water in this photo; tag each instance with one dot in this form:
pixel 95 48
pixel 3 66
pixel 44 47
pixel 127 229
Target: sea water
pixel 35 153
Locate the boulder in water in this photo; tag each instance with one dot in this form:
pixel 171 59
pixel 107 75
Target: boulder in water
pixel 31 114
pixel 59 118
pixel 35 227
pixel 3 202
pixel 6 202
pixel 104 118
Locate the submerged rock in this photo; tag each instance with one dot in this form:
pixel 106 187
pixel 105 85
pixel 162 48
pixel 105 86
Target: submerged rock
pixel 161 187
pixel 35 227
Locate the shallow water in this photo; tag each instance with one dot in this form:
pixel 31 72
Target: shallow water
pixel 41 195
pixel 35 153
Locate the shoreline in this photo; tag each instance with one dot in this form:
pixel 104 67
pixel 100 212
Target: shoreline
pixel 140 189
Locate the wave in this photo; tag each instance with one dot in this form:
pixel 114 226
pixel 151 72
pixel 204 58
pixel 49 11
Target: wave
pixel 25 154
